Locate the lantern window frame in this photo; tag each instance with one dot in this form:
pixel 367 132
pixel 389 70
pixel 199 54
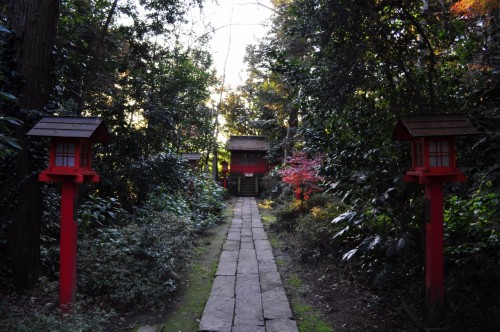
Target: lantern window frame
pixel 64 154
pixel 435 134
pixel 70 153
pixel 440 154
pixel 418 155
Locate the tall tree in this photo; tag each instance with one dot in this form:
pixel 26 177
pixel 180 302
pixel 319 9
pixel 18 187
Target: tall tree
pixel 34 23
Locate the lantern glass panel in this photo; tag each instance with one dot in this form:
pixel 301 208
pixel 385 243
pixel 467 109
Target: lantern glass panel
pixel 418 154
pixel 85 156
pixel 65 154
pixel 439 154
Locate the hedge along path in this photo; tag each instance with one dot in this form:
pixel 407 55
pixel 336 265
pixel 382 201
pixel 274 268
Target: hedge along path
pixel 247 294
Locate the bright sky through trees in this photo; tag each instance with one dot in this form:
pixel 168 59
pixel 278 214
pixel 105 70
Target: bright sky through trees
pixel 236 24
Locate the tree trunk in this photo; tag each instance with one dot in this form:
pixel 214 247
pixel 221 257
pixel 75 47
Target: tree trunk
pixel 34 23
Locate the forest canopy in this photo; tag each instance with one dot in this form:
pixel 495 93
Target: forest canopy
pixel 331 79
pixel 124 61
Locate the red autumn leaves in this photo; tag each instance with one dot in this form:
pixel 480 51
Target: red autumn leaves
pixel 302 174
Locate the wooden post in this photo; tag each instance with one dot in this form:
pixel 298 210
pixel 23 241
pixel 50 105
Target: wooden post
pixel 434 279
pixel 69 229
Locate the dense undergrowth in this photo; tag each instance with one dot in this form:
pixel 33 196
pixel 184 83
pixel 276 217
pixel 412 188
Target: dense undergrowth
pixel 126 260
pixel 388 255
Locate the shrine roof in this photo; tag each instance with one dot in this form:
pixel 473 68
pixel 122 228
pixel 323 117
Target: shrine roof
pixel 92 128
pixel 412 126
pixel 247 143
pixel 191 156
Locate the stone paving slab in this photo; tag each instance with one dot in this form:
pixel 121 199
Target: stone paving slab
pixel 264 253
pixel 268 266
pixel 270 281
pixel 223 286
pixel 246 238
pixel 234 235
pixel 248 310
pixel 250 328
pixel 231 245
pixel 218 314
pixel 275 304
pixel 247 245
pixel 259 233
pixel 281 325
pixel 246 232
pixel 247 293
pixel 247 261
pixel 227 263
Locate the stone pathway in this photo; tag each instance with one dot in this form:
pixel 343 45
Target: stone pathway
pixel 247 294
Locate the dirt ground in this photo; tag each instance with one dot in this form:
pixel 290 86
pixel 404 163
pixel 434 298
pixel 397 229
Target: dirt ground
pixel 343 303
pixel 348 304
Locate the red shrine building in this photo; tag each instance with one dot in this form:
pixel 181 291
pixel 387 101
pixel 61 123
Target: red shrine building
pixel 247 166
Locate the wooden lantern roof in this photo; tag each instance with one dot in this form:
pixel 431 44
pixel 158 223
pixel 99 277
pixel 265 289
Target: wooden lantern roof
pixel 247 143
pixel 413 126
pixel 92 128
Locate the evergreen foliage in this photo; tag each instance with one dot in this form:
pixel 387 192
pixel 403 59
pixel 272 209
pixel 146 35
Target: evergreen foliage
pixel 126 62
pixel 332 78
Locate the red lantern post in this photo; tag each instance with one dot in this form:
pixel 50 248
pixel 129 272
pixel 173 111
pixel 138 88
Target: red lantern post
pixel 225 170
pixel 69 163
pixel 433 163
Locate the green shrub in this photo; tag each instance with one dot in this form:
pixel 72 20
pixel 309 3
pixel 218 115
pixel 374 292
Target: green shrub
pixel 320 200
pixel 50 229
pixel 275 189
pixel 206 201
pixel 137 264
pixel 287 217
pixel 372 247
pixel 202 202
pixel 316 229
pixel 83 318
pixel 135 259
pixel 97 211
pixel 472 225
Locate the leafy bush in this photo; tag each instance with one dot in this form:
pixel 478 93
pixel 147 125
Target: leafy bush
pixel 371 241
pixel 376 242
pixel 281 193
pixel 472 225
pixel 129 259
pixel 36 310
pixel 94 213
pixel 81 319
pixel 98 211
pixel 137 264
pixel 287 217
pixel 206 202
pixel 201 201
pixel 315 228
pixel 50 229
pixel 320 200
pixel 8 144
